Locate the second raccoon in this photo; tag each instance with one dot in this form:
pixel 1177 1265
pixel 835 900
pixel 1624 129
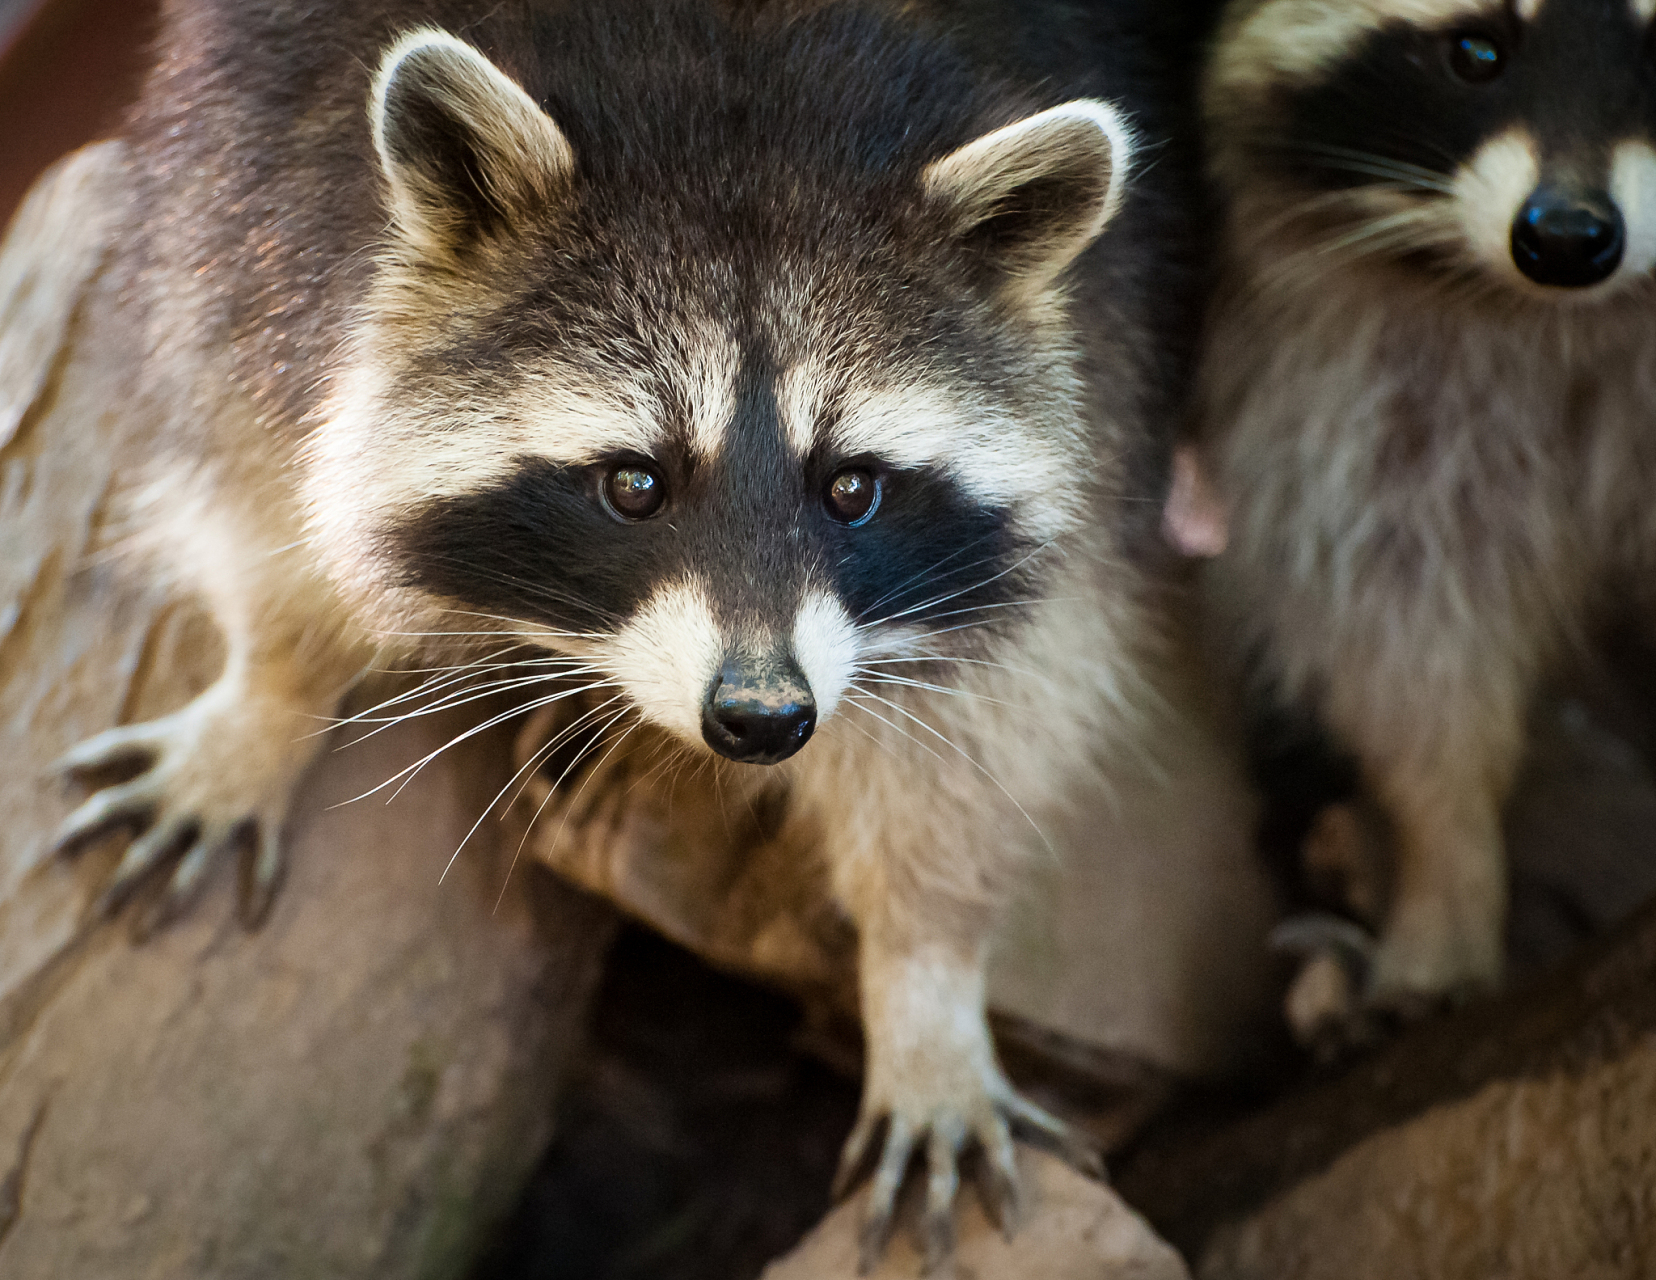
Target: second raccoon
pixel 1427 396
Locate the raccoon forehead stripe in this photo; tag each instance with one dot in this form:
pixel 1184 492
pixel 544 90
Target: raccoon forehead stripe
pixel 1296 40
pixel 712 364
pixel 801 397
pixel 990 456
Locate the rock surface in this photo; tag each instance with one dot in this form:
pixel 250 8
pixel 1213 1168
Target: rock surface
pixel 1073 1229
pixel 357 1089
pixel 1514 1138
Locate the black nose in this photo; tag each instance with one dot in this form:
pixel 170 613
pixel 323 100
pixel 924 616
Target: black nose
pixel 758 713
pixel 1568 239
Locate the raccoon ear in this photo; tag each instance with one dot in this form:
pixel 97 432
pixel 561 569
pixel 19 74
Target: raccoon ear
pixel 1030 196
pixel 463 148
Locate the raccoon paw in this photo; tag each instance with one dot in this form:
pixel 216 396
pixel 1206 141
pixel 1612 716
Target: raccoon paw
pixel 207 779
pixel 945 1132
pixel 1435 952
pixel 1325 1006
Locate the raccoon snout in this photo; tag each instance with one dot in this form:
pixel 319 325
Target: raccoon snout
pixel 759 715
pixel 1568 239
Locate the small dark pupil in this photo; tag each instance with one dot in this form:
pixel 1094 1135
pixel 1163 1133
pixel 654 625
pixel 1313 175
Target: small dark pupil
pixel 1476 58
pixel 634 491
pixel 851 493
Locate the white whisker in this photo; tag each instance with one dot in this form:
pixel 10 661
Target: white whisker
pixel 408 773
pixel 888 619
pixel 907 683
pixel 545 749
pixel 962 752
pixel 573 800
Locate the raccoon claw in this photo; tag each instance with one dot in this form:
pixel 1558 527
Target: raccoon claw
pixel 262 879
pixel 123 745
pixel 943 1146
pixel 946 1139
pixel 186 806
pixel 131 804
pixel 142 856
pixel 1324 1005
pixel 1318 933
pixel 1042 1129
pixel 1351 989
pixel 882 1194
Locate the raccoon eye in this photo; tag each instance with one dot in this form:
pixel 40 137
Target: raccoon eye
pixel 634 491
pixel 852 495
pixel 1474 58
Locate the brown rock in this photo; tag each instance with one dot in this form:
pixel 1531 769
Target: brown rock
pixel 1073 1229
pixel 1515 1138
pixel 357 1089
pixel 1549 1179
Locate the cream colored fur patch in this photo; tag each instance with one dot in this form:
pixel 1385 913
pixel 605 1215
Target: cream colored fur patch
pixel 799 401
pixel 1296 40
pixel 666 656
pixel 708 363
pixel 1633 186
pixel 1643 10
pixel 482 446
pixel 993 458
pixel 1489 190
pixel 825 645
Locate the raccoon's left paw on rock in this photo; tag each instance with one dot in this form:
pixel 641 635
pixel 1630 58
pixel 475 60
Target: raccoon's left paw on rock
pixel 979 1129
pixel 187 796
pixel 1324 1005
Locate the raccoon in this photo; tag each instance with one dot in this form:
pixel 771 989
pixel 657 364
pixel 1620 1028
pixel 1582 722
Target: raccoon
pixel 753 362
pixel 1425 395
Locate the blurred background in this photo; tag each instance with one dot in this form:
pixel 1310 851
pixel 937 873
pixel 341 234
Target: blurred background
pixel 67 67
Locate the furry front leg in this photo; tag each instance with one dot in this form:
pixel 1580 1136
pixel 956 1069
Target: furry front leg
pixel 1443 934
pixel 1440 756
pixel 933 1085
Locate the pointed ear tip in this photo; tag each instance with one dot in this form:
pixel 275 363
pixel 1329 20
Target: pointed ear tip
pixel 427 44
pixel 420 40
pixel 1107 118
pixel 397 55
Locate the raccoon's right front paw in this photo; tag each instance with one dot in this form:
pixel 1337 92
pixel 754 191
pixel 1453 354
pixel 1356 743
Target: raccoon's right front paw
pixel 212 777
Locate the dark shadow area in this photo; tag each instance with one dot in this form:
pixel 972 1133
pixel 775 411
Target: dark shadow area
pixel 695 1142
pixel 67 70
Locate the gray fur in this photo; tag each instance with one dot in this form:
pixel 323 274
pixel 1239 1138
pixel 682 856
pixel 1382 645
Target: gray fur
pixel 1438 473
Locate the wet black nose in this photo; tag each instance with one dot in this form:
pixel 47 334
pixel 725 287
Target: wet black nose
pixel 1568 239
pixel 758 713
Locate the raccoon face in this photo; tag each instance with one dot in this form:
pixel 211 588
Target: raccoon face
pixel 721 433
pixel 1473 140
